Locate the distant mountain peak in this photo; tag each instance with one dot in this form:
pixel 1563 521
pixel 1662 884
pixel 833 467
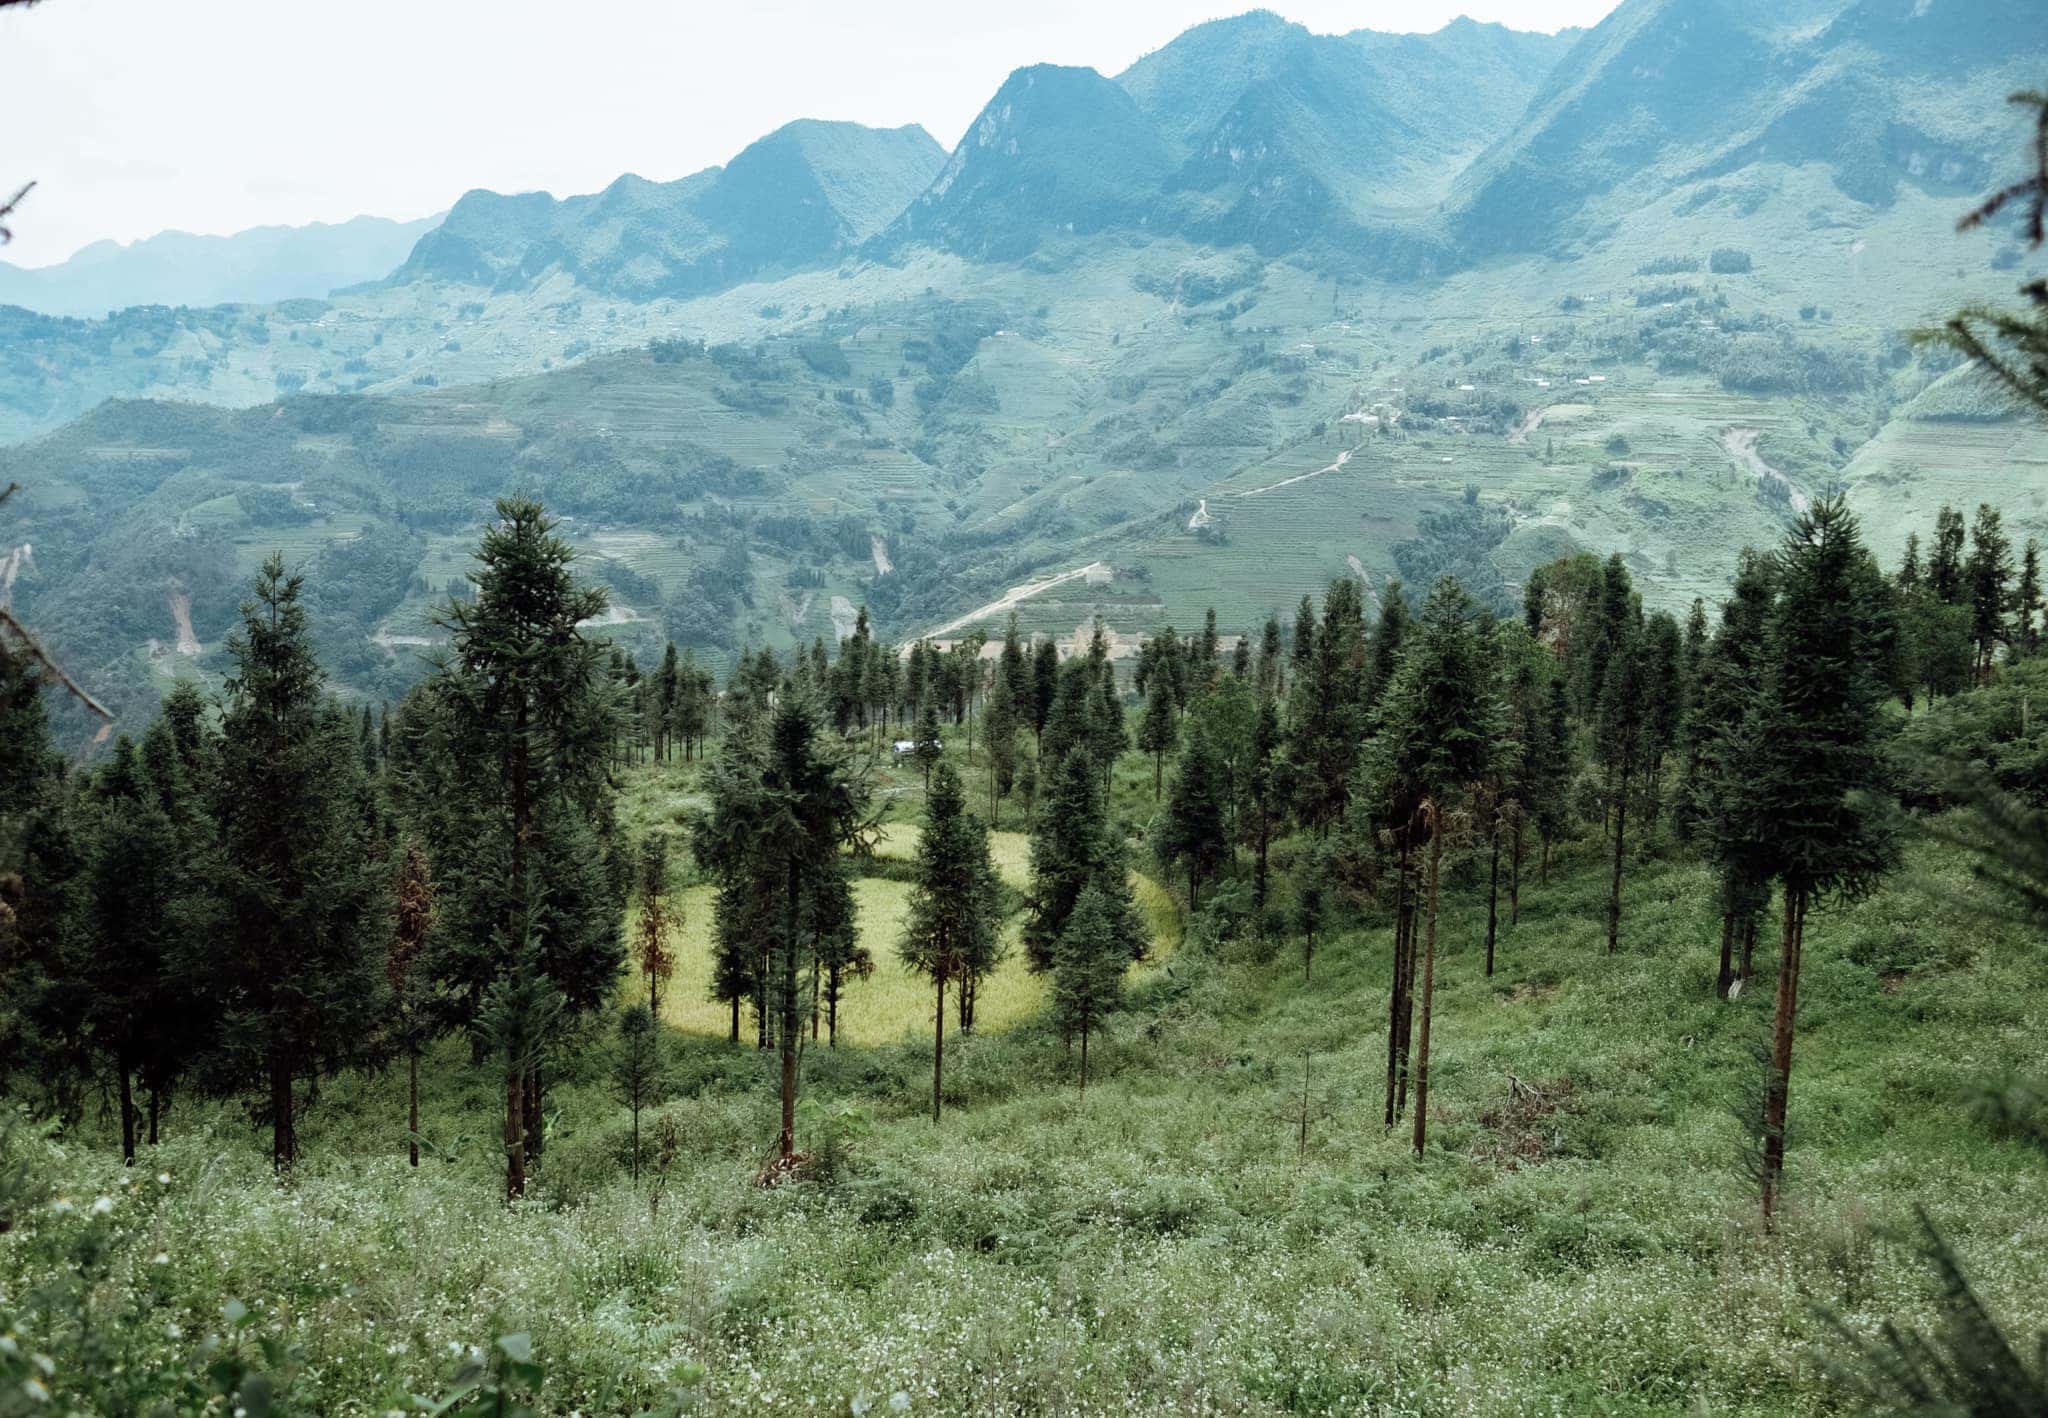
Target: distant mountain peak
pixel 804 194
pixel 252 267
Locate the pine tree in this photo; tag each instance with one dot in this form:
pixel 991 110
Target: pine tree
pixel 950 936
pixel 521 1012
pixel 411 1019
pixel 1302 644
pixel 1264 789
pixel 1192 832
pixel 523 838
pixel 1621 741
pixel 658 921
pixel 1821 764
pixel 130 972
pixel 301 958
pixel 1664 694
pixel 1326 712
pixel 1311 910
pixel 1107 736
pixel 1045 675
pixel 1987 580
pixel 832 929
pixel 781 806
pixel 2026 601
pixel 928 747
pixel 1439 724
pixel 1066 852
pixel 1271 675
pixel 1945 567
pixel 1088 970
pixel 999 731
pixel 1720 725
pixel 1205 653
pixel 636 1067
pixel 1156 731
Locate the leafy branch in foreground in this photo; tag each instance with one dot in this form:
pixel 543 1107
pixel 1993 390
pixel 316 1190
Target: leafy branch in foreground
pixel 2012 345
pixel 1967 1366
pixel 27 646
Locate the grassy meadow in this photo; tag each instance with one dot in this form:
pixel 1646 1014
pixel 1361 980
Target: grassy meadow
pixel 1223 1224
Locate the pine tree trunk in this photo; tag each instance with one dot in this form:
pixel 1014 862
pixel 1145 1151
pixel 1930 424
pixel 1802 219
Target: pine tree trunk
pixel 1493 901
pixel 938 1042
pixel 735 1019
pixel 412 1115
pixel 1158 772
pixel 534 1130
pixel 1436 856
pixel 1748 948
pixel 1620 841
pixel 127 1110
pixel 1515 876
pixel 283 1145
pixel 1725 976
pixel 515 1134
pixel 1778 1088
pixel 1407 1007
pixel 1394 990
pixel 817 970
pixel 1265 830
pixel 154 1100
pixel 636 1142
pixel 785 1141
pixel 1084 1061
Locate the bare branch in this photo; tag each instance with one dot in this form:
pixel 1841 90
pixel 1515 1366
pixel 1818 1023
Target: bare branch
pixel 6 235
pixel 2033 190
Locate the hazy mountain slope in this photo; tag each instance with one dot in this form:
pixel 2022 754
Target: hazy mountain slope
pixel 806 193
pixel 1057 150
pixel 1467 83
pixel 1669 92
pixel 258 266
pixel 1287 139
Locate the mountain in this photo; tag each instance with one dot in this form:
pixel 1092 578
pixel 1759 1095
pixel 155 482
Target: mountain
pixel 258 266
pixel 1057 150
pixel 1266 308
pixel 1247 131
pixel 1669 93
pixel 805 194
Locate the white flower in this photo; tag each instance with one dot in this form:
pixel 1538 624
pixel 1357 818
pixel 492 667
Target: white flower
pixel 175 1331
pixel 104 1205
pixel 160 1258
pixel 36 1392
pixel 62 1206
pixel 164 1178
pixel 45 1365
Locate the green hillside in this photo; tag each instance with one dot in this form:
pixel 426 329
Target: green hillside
pixel 1580 1238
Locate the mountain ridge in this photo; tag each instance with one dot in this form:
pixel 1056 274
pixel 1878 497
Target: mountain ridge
pixel 257 266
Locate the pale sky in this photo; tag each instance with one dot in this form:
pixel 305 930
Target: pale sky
pixel 216 115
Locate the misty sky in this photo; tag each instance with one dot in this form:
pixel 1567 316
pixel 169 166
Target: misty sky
pixel 216 115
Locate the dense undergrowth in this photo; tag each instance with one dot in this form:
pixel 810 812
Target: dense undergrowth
pixel 1581 1237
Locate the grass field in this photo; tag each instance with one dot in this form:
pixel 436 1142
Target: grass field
pixel 1169 1243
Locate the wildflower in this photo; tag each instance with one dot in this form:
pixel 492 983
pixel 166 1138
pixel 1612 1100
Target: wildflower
pixel 62 1206
pixel 45 1365
pixel 35 1391
pixel 160 1258
pixel 164 1178
pixel 174 1331
pixel 104 1205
